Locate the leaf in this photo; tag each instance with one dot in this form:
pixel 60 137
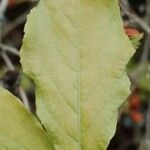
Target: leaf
pixel 76 52
pixel 19 130
pixel 135 36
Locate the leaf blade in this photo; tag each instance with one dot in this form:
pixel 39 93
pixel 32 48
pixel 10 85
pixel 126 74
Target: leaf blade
pixel 82 58
pixel 18 128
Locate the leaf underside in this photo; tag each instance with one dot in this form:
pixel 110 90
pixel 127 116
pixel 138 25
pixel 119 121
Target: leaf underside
pixel 76 53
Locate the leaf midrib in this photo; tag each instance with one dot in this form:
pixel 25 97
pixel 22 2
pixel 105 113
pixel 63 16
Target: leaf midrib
pixel 78 75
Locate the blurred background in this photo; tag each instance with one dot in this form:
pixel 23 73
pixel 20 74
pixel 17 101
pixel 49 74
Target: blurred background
pixel 133 128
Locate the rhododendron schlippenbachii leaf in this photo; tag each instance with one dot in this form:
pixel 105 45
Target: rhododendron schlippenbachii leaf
pixel 19 130
pixel 76 53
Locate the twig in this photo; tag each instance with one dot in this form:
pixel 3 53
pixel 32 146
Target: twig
pixel 9 48
pixel 3 6
pixel 22 93
pixel 146 48
pixel 7 61
pixel 14 24
pixel 24 98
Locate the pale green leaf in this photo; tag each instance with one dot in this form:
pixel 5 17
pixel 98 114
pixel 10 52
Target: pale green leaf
pixel 19 130
pixel 76 52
